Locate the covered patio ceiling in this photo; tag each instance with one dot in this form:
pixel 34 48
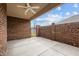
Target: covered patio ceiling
pixel 14 11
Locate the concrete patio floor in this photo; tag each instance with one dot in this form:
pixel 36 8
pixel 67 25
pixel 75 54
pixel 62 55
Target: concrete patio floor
pixel 38 46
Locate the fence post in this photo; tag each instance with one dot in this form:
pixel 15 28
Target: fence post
pixel 37 30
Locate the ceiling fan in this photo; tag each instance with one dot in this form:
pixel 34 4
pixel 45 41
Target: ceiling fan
pixel 28 8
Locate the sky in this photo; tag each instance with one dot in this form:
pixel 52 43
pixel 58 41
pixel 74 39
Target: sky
pixel 57 14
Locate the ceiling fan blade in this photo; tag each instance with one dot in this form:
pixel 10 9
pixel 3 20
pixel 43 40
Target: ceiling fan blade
pixel 26 11
pixel 32 10
pixel 35 7
pixel 21 6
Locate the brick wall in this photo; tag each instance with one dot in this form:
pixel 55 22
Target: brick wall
pixel 66 33
pixel 18 28
pixel 37 30
pixel 45 31
pixel 3 29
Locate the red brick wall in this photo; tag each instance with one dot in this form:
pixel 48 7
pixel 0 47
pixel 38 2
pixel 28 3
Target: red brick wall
pixel 3 29
pixel 66 33
pixel 37 30
pixel 45 31
pixel 18 28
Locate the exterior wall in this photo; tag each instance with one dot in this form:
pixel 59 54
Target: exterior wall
pixel 18 28
pixel 3 29
pixel 37 30
pixel 66 33
pixel 74 18
pixel 45 31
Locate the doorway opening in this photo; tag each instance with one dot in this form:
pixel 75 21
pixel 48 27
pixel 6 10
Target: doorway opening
pixel 33 29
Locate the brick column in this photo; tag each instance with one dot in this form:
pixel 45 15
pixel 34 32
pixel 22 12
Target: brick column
pixel 37 30
pixel 3 29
